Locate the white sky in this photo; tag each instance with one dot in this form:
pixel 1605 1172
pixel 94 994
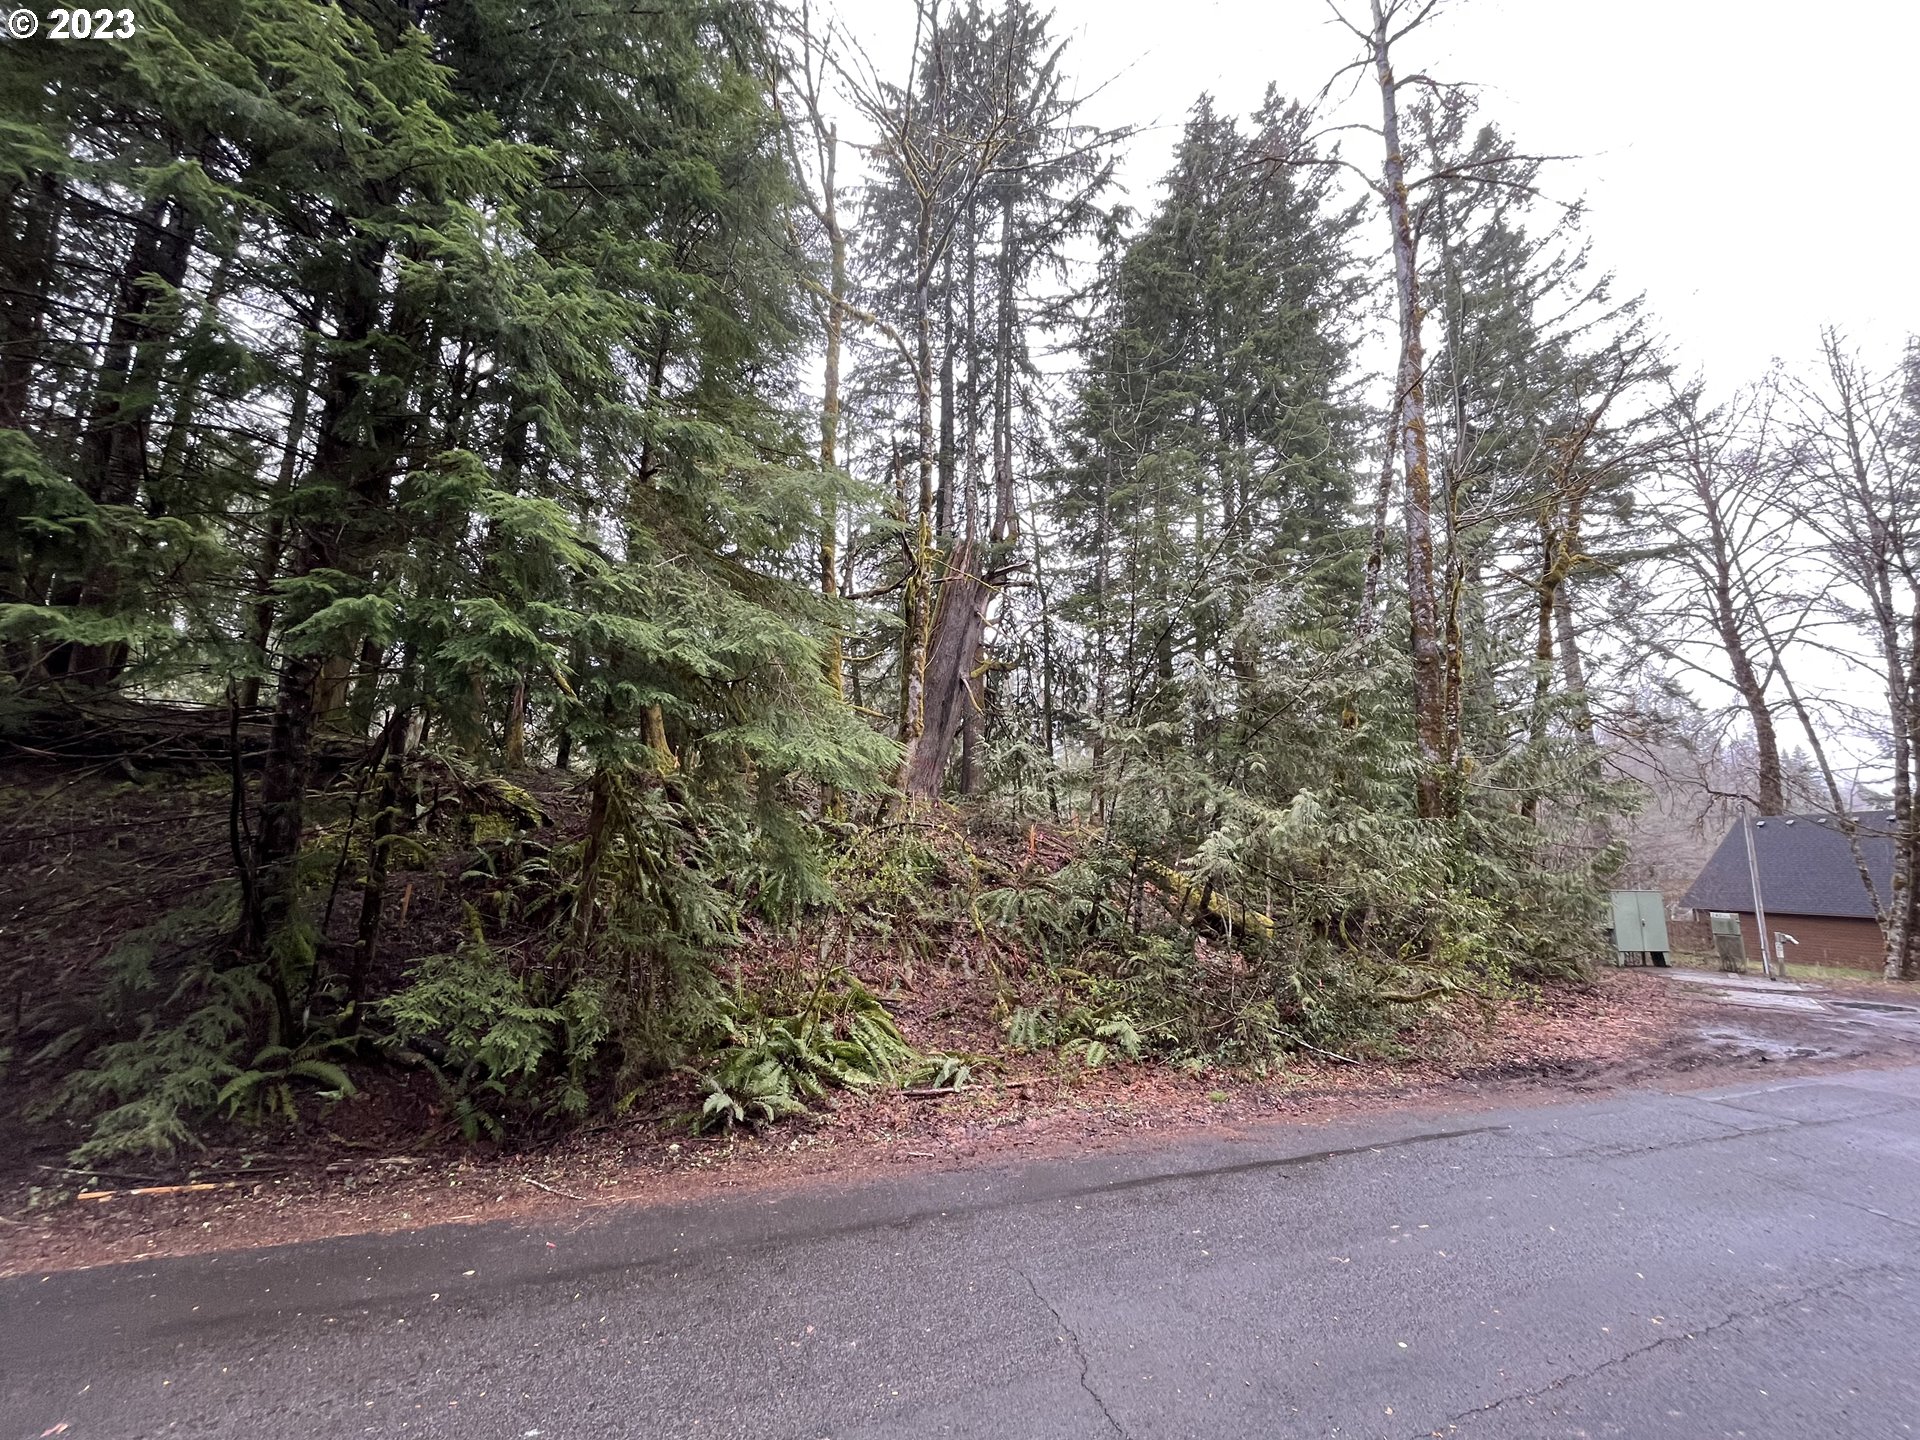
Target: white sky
pixel 1747 163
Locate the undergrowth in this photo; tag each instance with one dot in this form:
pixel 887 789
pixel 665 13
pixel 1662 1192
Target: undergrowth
pixel 181 1033
pixel 595 972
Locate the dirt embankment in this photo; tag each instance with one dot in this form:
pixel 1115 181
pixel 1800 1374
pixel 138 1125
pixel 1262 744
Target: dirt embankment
pixel 1627 1028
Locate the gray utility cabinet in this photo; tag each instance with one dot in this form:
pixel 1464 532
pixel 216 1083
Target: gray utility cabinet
pixel 1640 925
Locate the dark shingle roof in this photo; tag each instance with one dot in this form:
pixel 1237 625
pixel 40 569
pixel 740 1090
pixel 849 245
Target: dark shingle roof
pixel 1806 867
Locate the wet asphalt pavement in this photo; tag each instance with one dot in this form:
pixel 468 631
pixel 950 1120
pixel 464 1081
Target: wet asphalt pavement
pixel 1741 1262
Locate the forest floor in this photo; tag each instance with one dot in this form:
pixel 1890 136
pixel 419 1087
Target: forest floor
pixel 1631 1027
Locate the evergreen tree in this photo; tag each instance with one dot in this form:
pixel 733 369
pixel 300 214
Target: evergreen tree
pixel 484 445
pixel 1215 470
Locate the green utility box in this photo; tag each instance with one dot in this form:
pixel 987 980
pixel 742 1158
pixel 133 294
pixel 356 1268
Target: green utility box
pixel 1639 927
pixel 1728 943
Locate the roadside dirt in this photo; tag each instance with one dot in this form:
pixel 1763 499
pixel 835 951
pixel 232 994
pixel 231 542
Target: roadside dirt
pixel 1627 1028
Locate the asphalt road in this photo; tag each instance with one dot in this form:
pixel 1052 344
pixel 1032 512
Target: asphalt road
pixel 1737 1263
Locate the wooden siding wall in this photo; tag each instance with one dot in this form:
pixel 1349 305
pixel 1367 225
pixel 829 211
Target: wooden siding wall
pixel 1824 940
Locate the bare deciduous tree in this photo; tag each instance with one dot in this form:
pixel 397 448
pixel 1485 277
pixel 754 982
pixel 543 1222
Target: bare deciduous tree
pixel 1730 548
pixel 1849 452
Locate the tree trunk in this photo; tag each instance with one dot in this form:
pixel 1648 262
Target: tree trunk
pixel 173 453
pixel 943 502
pixel 347 468
pixel 1006 515
pixel 971 482
pixel 1573 666
pixel 260 617
pixel 1434 792
pixel 1102 663
pixel 113 451
pixel 1903 933
pixel 1382 499
pixel 959 622
pixel 1453 570
pixel 513 749
pixel 386 821
pixel 29 250
pixel 830 410
pixel 1771 799
pixel 954 656
pixel 1721 564
pixel 1546 594
pixel 970 502
pixel 656 733
pixel 916 606
pixel 1046 677
pixel 364 693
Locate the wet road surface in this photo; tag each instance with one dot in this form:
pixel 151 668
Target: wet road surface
pixel 1739 1262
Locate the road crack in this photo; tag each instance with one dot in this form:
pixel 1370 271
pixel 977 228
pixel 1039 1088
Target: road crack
pixel 1661 1147
pixel 1079 1354
pixel 1786 1302
pixel 1782 1183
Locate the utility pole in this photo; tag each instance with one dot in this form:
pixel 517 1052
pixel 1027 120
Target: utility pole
pixel 1759 905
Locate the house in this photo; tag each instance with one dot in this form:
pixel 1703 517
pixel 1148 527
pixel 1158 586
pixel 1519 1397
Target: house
pixel 1809 884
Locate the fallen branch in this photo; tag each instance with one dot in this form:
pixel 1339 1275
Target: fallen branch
pixel 1331 1055
pixel 553 1189
pixel 98 1174
pixel 193 1189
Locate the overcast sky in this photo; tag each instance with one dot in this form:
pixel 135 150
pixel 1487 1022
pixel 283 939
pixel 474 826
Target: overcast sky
pixel 1747 163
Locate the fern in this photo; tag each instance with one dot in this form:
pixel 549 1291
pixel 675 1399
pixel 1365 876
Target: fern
pixel 749 1093
pixel 266 1088
pixel 773 1066
pixel 1103 1038
pixel 942 1072
pixel 507 1043
pixel 166 1038
pixel 1028 1027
